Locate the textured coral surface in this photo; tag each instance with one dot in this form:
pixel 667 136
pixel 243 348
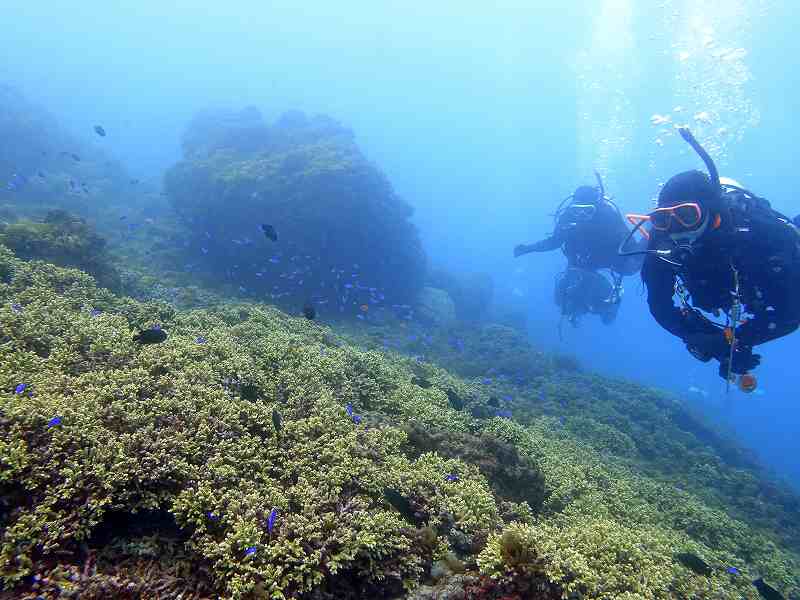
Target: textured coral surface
pixel 258 455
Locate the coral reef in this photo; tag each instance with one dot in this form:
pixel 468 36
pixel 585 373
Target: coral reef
pixel 344 239
pixel 159 471
pixel 63 239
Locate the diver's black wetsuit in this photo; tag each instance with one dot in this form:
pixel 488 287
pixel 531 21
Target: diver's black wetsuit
pixel 762 246
pixel 592 244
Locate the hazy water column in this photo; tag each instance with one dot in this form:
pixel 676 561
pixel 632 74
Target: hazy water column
pixel 607 71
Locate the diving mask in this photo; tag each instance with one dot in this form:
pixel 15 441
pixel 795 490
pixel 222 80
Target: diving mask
pixel 680 218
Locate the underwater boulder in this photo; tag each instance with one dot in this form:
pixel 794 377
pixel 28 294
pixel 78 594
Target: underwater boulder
pixel 435 307
pixel 471 292
pixel 342 234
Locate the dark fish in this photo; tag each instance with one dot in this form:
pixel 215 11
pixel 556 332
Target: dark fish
pixel 98 129
pixel 309 311
pixel 693 562
pixel 767 591
pixel 277 421
pixel 401 504
pixel 75 157
pixel 269 232
pixel 154 335
pixel 493 401
pixel 134 181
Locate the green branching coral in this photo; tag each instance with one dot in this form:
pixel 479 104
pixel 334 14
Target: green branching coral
pixel 166 458
pixel 62 239
pixel 596 558
pixel 104 426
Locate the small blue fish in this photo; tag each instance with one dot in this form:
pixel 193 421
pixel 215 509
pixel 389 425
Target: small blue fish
pixel 360 317
pixel 273 514
pixel 123 217
pixel 348 286
pixel 242 289
pixel 503 414
pixel 54 422
pixel 20 388
pixel 508 397
pixel 200 339
pixel 212 516
pixel 357 419
pixel 17 308
pixel 204 250
pixel 349 409
pixel 96 312
pixel 732 570
pixel 250 551
pixel 451 478
pixel 486 381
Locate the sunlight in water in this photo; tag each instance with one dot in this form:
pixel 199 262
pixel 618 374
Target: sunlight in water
pixel 607 70
pixel 711 92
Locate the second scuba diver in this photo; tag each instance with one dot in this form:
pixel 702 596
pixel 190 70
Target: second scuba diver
pixel 589 230
pixel 722 250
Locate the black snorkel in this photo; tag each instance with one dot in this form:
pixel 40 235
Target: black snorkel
pixel 713 174
pixel 603 197
pixel 600 184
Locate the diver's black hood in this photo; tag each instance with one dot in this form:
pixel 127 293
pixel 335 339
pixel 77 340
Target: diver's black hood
pixel 690 186
pixel 586 194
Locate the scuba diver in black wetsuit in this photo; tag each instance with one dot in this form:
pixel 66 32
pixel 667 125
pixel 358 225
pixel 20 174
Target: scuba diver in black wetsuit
pixel 589 230
pixel 720 249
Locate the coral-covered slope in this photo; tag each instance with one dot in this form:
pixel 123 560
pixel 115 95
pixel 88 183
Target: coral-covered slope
pixel 256 455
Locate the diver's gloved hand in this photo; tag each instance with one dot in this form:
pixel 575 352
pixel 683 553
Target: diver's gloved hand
pixel 522 249
pixel 743 361
pixel 705 346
